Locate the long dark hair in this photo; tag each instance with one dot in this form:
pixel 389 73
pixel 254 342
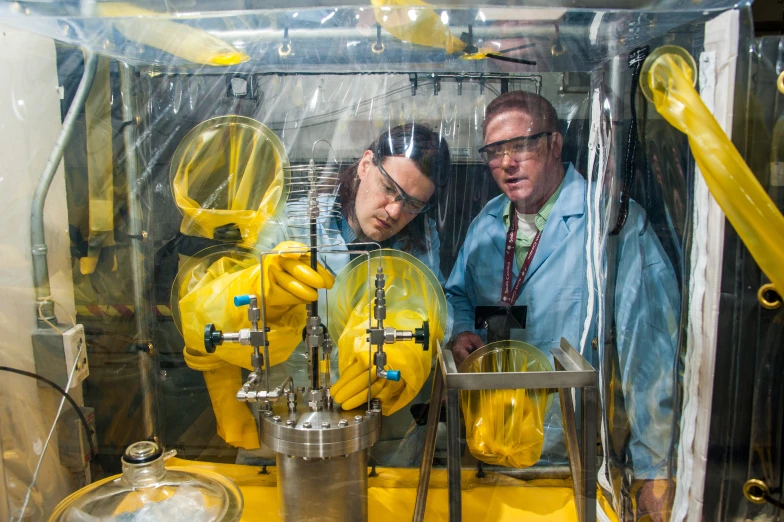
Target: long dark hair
pixel 417 142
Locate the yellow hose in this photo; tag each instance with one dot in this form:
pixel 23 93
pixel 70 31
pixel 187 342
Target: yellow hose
pixel 744 201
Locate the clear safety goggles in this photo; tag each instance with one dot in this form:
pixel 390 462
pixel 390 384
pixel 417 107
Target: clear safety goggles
pixel 515 148
pixel 389 188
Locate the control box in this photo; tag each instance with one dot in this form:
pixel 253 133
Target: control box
pixel 56 354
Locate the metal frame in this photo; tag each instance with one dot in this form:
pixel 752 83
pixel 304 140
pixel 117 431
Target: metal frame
pixel 572 372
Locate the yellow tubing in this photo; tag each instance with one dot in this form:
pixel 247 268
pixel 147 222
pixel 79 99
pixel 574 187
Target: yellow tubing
pixel 744 201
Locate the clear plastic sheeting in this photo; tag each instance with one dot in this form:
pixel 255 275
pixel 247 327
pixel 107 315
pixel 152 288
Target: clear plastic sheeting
pixel 506 427
pixel 175 168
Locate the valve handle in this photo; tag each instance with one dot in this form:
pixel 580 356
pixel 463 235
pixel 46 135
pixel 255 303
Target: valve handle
pixel 393 375
pixel 241 300
pixel 212 338
pixel 422 336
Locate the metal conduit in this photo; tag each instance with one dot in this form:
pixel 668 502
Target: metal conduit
pixel 37 235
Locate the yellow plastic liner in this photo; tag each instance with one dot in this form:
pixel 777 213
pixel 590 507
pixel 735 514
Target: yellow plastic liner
pixel 392 495
pixel 505 427
pixel 669 78
pixel 151 28
pixel 227 177
pixel 413 295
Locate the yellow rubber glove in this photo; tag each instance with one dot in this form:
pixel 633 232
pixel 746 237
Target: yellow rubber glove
pixel 413 295
pixel 207 297
pixel 289 280
pixel 351 389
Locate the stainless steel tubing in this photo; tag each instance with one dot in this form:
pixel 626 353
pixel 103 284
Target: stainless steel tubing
pixel 37 235
pixel 148 370
pixel 430 445
pixel 334 488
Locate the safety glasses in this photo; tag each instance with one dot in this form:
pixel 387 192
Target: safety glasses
pixel 392 191
pixel 515 148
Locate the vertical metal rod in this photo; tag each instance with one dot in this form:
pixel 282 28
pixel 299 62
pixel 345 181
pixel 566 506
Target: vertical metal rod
pixel 263 308
pixel 148 372
pixel 589 428
pixel 429 451
pixel 572 443
pixel 43 291
pixel 453 455
pixel 313 308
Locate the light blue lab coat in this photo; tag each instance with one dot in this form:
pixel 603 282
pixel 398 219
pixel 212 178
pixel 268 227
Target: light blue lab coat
pixel 396 425
pixel 555 291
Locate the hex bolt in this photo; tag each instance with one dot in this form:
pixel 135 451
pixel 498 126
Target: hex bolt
pixel 343 423
pixel 276 418
pixel 306 425
pixel 325 424
pixel 358 418
pixel 289 422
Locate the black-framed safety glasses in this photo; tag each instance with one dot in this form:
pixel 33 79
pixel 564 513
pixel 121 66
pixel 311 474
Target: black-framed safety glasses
pixel 513 147
pixel 391 190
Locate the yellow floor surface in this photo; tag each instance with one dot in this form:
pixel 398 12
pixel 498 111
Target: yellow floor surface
pixel 392 495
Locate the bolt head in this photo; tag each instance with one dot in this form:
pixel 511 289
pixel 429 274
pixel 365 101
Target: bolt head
pixel 343 422
pixel 289 422
pixel 276 418
pixel 306 425
pixel 325 424
pixel 358 418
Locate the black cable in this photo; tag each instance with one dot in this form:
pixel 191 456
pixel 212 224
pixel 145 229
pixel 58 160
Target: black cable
pixel 75 406
pixel 636 59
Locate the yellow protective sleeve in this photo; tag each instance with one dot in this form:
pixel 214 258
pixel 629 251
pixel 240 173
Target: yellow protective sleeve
pixel 207 297
pixel 413 295
pixel 744 201
pixel 235 422
pixel 416 22
pixel 506 427
pixel 100 169
pixel 228 172
pixel 151 28
pixel 392 495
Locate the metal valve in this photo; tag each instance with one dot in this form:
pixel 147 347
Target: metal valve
pixel 212 338
pixel 422 335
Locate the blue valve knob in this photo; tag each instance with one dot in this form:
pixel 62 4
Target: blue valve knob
pixel 241 300
pixel 393 375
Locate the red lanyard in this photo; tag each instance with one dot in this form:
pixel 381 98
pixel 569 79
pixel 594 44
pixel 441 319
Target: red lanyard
pixel 510 294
